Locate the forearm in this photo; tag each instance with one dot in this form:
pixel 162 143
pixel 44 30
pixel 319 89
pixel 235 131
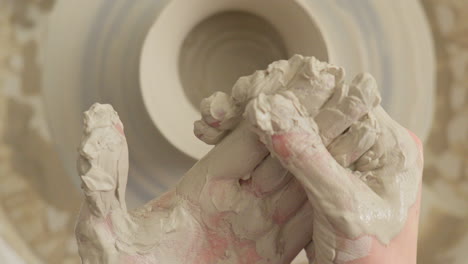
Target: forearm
pixel 402 249
pixel 365 250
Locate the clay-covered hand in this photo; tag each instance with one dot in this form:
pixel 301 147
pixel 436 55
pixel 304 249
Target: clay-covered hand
pixel 340 110
pixel 360 169
pixel 237 204
pixel 215 214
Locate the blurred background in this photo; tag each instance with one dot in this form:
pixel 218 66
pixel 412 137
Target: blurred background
pixel 39 201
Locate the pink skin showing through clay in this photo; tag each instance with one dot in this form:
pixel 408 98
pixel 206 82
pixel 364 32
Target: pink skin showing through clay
pixel 120 128
pixel 215 124
pixel 209 245
pixel 217 245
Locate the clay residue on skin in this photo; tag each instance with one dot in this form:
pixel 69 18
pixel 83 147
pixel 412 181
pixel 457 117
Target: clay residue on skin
pixel 388 169
pixel 209 213
pixel 107 233
pixel 358 172
pixel 328 107
pixel 311 80
pixel 316 81
pixel 272 124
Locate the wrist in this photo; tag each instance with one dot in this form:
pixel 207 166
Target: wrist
pixel 331 246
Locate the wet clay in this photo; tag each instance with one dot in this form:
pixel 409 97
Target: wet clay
pixel 375 154
pixel 346 158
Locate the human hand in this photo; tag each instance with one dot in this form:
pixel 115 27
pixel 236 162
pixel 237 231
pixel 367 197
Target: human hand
pixel 207 217
pixel 364 187
pixel 211 216
pixel 357 136
pixel 236 204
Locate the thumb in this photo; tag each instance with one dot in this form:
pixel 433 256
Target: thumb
pixel 102 166
pixel 103 160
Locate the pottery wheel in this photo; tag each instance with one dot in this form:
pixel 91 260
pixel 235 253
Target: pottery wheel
pixel 57 61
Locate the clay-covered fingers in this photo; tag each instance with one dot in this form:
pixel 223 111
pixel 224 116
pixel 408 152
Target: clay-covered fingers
pixel 348 105
pixel 396 152
pixel 292 136
pixel 355 141
pixel 219 114
pixel 393 141
pixel 219 111
pixel 312 81
pixel 286 202
pixel 297 232
pixel 293 232
pixel 276 77
pixel 103 161
pixel 372 159
pixel 206 133
pixel 267 177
